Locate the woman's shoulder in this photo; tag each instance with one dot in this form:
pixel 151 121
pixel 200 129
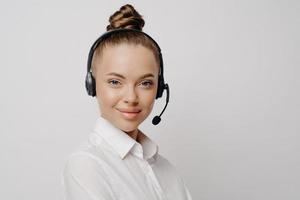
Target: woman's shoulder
pixel 88 155
pixel 81 160
pixel 167 167
pixel 162 161
pixel 85 168
pixel 93 148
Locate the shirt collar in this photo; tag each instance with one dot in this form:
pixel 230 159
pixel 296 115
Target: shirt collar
pixel 122 143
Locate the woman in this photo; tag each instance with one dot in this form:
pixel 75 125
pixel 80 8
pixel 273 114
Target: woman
pixel 118 161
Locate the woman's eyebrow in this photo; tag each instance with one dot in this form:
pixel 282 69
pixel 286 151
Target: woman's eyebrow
pixel 123 77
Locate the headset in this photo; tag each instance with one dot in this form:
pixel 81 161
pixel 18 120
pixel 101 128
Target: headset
pixel 90 82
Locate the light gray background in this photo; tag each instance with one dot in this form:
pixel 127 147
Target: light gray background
pixel 232 125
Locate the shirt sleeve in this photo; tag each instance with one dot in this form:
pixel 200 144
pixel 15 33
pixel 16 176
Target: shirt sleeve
pixel 85 179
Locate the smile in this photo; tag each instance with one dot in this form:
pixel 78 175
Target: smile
pixel 129 114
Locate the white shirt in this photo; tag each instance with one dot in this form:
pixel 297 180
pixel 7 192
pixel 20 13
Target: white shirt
pixel 111 165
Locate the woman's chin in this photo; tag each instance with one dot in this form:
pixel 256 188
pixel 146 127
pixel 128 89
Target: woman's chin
pixel 129 126
pixel 129 129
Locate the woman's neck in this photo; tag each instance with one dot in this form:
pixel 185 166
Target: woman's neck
pixel 133 134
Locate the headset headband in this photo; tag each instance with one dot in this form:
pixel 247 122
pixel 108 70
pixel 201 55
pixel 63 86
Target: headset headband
pixel 109 33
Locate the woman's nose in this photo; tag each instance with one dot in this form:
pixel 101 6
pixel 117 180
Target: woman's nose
pixel 131 96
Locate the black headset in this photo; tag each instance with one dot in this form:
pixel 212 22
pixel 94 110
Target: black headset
pixel 90 82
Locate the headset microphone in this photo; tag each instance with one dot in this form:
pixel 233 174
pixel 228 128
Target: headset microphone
pixel 157 119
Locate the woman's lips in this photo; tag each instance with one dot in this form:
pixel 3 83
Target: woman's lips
pixel 129 113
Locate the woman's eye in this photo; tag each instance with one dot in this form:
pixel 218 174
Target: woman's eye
pixel 114 82
pixel 147 84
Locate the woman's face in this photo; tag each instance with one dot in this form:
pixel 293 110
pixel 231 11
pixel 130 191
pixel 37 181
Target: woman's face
pixel 126 84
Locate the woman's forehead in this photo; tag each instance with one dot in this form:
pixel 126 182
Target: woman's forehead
pixel 128 59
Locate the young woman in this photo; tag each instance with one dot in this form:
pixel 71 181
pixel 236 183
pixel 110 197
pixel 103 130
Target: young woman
pixel 119 161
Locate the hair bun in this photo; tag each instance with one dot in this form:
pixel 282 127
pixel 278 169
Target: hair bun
pixel 126 17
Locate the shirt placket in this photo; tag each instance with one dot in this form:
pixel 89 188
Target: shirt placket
pixel 150 176
pixel 152 180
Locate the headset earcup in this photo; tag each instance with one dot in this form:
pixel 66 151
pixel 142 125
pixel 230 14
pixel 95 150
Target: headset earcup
pixel 90 84
pixel 160 88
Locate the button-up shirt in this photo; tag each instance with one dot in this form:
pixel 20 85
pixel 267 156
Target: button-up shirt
pixel 110 165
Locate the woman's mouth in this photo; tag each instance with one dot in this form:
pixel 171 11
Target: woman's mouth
pixel 129 113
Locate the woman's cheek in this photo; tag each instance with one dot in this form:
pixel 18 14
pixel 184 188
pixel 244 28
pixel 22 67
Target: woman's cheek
pixel 112 95
pixel 148 100
pixel 107 95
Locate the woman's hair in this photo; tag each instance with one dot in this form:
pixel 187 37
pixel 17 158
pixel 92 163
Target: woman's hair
pixel 125 17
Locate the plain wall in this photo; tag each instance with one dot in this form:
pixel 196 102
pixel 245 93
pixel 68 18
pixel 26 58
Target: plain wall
pixel 232 124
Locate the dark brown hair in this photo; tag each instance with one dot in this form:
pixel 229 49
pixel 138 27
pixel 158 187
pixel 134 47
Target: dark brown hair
pixel 125 17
